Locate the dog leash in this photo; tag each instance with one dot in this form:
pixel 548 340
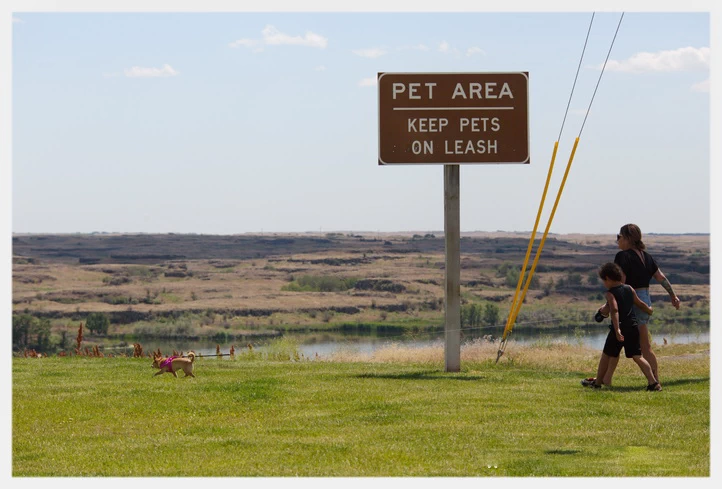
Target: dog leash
pixel 214 355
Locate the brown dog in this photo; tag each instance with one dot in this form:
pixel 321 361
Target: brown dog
pixel 171 364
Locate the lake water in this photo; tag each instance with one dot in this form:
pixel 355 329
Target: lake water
pixel 324 344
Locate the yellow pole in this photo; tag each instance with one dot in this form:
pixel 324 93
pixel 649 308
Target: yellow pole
pixel 546 231
pixel 507 328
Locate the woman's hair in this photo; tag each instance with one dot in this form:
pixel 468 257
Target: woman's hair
pixel 611 271
pixel 633 234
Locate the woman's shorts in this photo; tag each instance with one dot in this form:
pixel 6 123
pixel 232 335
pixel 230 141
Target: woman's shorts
pixel 631 344
pixel 642 317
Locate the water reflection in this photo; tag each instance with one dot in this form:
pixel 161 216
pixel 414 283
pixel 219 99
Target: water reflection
pixel 326 343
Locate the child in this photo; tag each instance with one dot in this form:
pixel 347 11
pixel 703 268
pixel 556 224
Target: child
pixel 624 331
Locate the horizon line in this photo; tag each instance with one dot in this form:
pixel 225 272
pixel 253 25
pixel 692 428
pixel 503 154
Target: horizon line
pixel 441 232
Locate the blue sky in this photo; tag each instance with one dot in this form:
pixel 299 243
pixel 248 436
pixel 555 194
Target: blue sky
pixel 247 122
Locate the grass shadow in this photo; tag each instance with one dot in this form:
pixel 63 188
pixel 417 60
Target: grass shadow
pixel 625 388
pixel 697 380
pixel 562 452
pixel 671 383
pixel 421 375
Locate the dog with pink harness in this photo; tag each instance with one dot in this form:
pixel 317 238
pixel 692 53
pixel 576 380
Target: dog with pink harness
pixel 173 364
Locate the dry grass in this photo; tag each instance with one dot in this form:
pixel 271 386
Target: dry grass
pixel 549 356
pixel 227 284
pixel 255 286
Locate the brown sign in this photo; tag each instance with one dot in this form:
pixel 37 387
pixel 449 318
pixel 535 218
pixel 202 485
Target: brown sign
pixel 453 118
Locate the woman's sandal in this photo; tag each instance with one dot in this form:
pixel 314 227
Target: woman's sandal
pixel 654 387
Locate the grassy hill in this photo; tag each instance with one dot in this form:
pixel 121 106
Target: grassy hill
pixel 206 285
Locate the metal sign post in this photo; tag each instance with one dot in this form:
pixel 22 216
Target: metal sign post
pixel 452 302
pixel 452 119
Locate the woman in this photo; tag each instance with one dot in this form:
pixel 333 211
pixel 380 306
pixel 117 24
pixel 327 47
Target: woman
pixel 638 268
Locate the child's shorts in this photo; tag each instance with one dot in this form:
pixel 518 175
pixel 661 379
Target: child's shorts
pixel 631 344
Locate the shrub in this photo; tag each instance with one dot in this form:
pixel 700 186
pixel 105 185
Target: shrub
pixel 475 315
pixel 574 279
pixel 316 283
pixel 120 280
pixel 31 332
pixel 470 315
pixel 491 314
pixel 512 278
pixel 593 278
pixel 502 269
pixel 97 322
pixel 379 285
pixel 282 349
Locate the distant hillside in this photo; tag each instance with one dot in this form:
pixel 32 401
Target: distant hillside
pixel 155 248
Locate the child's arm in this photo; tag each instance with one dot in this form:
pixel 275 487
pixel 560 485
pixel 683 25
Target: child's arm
pixel 614 314
pixel 640 304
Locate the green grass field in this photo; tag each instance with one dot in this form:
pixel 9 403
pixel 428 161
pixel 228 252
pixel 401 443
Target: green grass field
pixel 393 415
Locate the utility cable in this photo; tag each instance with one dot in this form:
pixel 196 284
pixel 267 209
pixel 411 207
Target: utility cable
pixel 575 78
pixel 512 316
pixel 600 75
pixel 516 304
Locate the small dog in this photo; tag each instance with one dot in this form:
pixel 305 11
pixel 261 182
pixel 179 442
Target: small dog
pixel 171 364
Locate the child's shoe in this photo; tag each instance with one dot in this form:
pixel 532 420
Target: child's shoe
pixel 588 382
pixel 654 387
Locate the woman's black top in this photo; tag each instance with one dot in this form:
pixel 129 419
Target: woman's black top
pixel 638 273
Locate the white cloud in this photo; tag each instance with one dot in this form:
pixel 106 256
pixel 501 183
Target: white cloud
pixel 474 50
pixel 701 86
pixel 682 59
pixel 370 53
pixel 140 72
pixel 18 20
pixel 417 47
pixel 368 82
pixel 252 44
pixel 445 47
pixel 249 43
pixel 273 36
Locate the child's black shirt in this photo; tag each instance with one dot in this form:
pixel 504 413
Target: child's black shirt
pixel 624 295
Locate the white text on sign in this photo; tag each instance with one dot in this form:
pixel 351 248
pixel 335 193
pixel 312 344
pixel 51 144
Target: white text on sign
pixel 457 147
pixel 474 90
pixel 427 124
pixel 437 124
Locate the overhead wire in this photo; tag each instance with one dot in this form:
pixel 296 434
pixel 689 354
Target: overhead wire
pixel 519 300
pixel 576 77
pixel 511 318
pixel 600 75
